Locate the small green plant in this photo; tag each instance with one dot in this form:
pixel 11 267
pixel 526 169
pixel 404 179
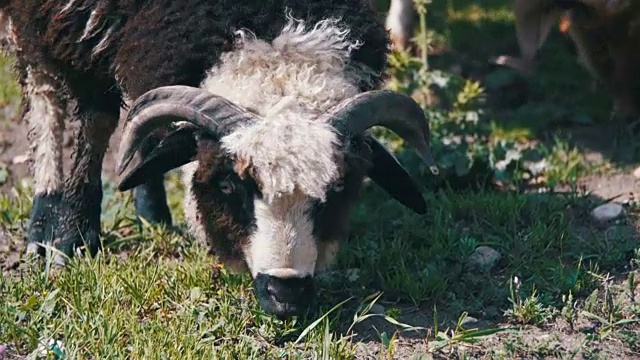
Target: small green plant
pixel 460 336
pixel 569 310
pixel 527 311
pixel 632 286
pixel 635 260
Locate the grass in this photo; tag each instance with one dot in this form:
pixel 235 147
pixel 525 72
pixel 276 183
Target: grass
pixel 402 286
pixel 9 90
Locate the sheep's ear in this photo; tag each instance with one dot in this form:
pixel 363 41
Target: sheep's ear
pixel 393 178
pixel 179 147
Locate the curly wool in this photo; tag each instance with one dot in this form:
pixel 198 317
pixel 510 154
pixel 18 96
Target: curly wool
pixel 290 82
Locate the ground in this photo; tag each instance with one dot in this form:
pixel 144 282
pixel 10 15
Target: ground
pixel 561 284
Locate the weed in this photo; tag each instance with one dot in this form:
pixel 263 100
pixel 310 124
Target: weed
pixel 528 310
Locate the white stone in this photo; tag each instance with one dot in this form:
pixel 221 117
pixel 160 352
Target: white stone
pixel 377 309
pixel 607 212
pixel 469 320
pixel 20 159
pixel 353 274
pixel 483 257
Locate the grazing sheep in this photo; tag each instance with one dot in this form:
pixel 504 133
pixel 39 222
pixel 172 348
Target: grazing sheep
pixel 606 36
pixel 266 114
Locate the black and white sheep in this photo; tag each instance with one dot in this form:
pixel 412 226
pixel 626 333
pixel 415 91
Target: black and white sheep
pixel 266 114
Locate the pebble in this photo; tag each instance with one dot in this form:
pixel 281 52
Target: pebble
pixel 3 351
pixel 544 337
pixel 483 257
pixel 537 167
pixel 377 309
pixel 636 172
pixel 353 274
pixel 20 159
pixel 469 320
pixel 607 212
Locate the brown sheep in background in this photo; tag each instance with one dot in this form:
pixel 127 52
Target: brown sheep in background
pixel 606 35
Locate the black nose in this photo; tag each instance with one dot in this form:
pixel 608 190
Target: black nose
pixel 284 297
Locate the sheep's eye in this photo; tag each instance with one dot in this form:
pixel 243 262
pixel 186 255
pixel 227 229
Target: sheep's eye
pixel 339 186
pixel 226 186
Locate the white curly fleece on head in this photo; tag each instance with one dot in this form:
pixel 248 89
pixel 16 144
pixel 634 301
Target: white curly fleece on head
pixel 290 82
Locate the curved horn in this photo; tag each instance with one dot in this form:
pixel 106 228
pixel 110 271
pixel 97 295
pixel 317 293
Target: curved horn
pixel 395 111
pixel 164 105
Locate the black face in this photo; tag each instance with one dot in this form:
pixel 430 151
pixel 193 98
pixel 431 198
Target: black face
pixel 331 218
pixel 225 201
pixel 225 191
pixel 284 297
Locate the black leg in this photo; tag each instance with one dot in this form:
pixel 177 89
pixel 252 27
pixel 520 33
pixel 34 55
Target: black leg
pixel 43 219
pixel 44 111
pixel 151 203
pixel 150 198
pixel 80 208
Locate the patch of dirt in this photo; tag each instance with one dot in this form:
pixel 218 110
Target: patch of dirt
pixel 552 341
pixel 621 186
pixel 555 340
pixel 10 249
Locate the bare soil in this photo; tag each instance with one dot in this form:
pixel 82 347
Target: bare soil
pixel 558 339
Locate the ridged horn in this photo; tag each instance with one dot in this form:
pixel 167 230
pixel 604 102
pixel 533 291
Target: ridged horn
pixel 167 104
pixel 397 112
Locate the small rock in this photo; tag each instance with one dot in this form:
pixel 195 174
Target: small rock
pixel 3 351
pixel 353 274
pixel 589 329
pixel 377 309
pixel 536 167
pixel 544 337
pixel 636 172
pixel 483 257
pixel 607 212
pixel 20 159
pixel 469 320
